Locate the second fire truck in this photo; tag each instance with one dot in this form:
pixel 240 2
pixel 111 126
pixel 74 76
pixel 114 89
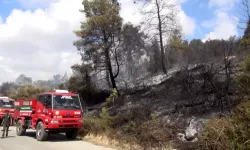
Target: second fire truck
pixel 6 103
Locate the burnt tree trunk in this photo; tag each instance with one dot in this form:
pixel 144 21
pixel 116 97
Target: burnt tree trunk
pixel 161 40
pixel 108 79
pixel 108 63
pixel 107 59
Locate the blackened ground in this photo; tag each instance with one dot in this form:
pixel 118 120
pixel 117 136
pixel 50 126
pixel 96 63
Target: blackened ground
pixel 181 103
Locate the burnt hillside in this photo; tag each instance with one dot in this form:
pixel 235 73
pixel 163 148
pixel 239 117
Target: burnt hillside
pixel 185 99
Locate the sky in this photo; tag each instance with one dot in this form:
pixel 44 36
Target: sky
pixel 36 36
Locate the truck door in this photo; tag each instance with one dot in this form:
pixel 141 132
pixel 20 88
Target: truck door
pixel 44 104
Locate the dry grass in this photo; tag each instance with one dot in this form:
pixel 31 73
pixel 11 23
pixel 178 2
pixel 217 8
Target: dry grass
pixel 228 133
pixel 104 140
pixel 215 136
pixel 133 130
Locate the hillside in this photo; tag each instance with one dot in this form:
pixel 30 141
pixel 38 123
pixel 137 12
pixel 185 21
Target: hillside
pixel 185 100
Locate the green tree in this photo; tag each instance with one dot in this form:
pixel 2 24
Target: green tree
pixel 6 87
pixel 197 46
pixel 26 91
pixel 244 24
pixel 180 46
pixel 100 35
pixel 81 82
pixel 245 41
pixel 61 86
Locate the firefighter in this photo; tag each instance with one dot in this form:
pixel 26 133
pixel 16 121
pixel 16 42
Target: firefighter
pixel 6 123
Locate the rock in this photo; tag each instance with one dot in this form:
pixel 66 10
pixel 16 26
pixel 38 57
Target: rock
pixel 181 137
pixel 166 119
pixel 192 130
pixel 190 134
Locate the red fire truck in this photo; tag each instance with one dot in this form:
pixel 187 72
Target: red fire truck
pixel 58 111
pixel 6 103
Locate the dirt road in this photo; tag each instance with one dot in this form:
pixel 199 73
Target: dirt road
pixel 55 142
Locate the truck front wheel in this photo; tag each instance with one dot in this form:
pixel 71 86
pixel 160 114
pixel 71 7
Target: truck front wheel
pixel 20 130
pixel 71 135
pixel 41 134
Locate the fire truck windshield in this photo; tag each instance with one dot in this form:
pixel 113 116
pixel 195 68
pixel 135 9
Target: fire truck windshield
pixel 6 104
pixel 66 102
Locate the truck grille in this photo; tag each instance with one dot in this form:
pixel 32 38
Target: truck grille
pixel 68 116
pixel 68 126
pixel 68 121
pixel 71 116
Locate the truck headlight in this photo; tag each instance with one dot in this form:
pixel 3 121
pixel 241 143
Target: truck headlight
pixel 80 121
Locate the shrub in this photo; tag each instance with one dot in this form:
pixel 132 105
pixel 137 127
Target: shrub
pixel 85 130
pixel 154 134
pixel 228 133
pixel 243 80
pixel 111 98
pixel 134 127
pixel 99 125
pixel 215 135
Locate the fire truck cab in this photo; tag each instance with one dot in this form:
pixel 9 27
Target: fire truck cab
pixel 6 103
pixel 53 112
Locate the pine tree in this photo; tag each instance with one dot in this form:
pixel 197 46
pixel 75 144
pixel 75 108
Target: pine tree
pixel 100 35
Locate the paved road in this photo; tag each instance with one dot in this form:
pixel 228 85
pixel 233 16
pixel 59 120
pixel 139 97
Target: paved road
pixel 55 142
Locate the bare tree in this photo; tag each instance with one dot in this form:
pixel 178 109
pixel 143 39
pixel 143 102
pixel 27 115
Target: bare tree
pixel 243 15
pixel 229 66
pixel 217 76
pixel 159 15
